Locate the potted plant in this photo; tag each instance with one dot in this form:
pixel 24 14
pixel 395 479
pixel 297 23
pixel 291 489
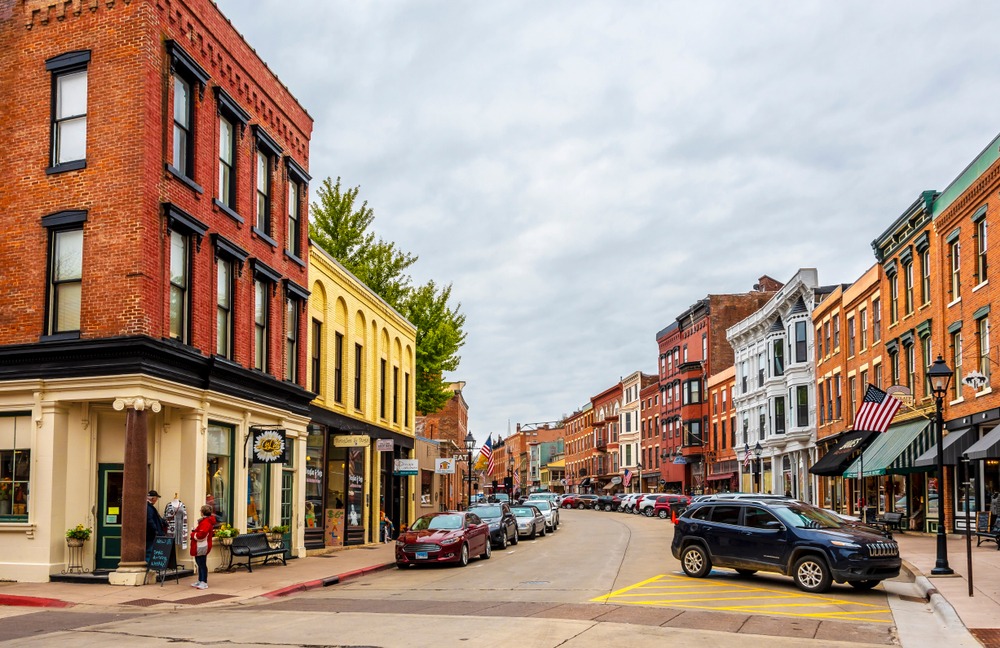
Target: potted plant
pixel 275 533
pixel 225 534
pixel 76 536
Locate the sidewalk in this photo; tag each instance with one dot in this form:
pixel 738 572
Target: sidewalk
pixel 270 581
pixel 949 595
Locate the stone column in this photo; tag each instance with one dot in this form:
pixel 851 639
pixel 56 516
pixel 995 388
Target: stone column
pixel 132 568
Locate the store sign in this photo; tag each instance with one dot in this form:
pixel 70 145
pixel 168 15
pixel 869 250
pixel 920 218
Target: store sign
pixel 383 445
pixel 444 466
pixel 269 446
pixel 616 480
pixel 404 467
pixel 351 440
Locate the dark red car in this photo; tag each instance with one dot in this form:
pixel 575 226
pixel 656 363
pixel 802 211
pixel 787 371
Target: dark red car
pixel 661 507
pixel 452 536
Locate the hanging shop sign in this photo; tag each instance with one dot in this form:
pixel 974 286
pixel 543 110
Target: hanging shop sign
pixel 351 440
pixel 444 466
pixel 383 445
pixel 404 467
pixel 269 446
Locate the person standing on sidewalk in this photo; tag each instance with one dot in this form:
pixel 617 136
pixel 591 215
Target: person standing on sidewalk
pixel 154 523
pixel 201 545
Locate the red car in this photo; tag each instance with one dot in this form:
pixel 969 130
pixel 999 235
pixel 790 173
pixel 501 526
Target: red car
pixel 578 501
pixel 661 507
pixel 452 536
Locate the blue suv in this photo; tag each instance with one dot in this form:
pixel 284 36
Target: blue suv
pixel 788 537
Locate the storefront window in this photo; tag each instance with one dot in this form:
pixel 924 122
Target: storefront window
pixel 426 481
pixel 315 442
pixel 220 471
pixel 336 497
pixel 258 489
pixel 355 496
pixel 15 468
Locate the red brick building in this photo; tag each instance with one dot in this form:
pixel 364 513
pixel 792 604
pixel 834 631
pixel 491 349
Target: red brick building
pixel 579 448
pixel 604 460
pixel 156 213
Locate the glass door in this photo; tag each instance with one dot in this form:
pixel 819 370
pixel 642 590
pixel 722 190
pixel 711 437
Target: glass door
pixel 110 480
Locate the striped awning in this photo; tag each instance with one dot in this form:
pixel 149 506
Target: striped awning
pixel 894 451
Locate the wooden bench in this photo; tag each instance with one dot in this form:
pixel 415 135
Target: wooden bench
pixel 987 529
pixel 255 545
pixel 890 521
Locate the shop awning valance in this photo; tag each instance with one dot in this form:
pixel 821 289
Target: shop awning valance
pixel 986 448
pixel 894 451
pixel 840 456
pixel 957 442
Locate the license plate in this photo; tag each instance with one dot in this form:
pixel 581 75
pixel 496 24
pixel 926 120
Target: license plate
pixel 421 555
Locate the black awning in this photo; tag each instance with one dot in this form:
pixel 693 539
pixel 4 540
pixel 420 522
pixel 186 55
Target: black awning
pixel 836 461
pixel 957 442
pixel 585 482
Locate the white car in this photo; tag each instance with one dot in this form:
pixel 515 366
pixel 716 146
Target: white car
pixel 549 510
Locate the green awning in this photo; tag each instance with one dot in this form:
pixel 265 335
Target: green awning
pixel 894 451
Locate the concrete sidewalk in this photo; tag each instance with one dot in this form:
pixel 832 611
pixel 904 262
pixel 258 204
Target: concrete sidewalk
pixel 949 595
pixel 270 581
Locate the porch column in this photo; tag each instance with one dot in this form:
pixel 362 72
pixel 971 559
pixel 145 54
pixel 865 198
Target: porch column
pixel 132 568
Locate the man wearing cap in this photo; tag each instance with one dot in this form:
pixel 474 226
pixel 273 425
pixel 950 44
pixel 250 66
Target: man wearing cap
pixel 154 523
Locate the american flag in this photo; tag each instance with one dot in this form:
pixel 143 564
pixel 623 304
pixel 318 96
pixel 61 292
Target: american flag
pixel 517 481
pixel 746 456
pixel 876 411
pixel 628 477
pixel 487 452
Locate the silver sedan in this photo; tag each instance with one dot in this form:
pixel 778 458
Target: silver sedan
pixel 530 521
pixel 550 512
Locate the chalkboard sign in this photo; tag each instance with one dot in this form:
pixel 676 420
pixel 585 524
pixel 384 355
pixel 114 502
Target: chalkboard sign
pixel 983 522
pixel 162 558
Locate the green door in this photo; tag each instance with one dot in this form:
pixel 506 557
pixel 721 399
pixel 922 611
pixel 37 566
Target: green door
pixel 110 480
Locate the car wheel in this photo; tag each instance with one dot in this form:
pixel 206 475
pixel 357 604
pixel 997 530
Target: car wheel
pixel 542 532
pixel 811 574
pixel 534 532
pixel 463 556
pixel 581 506
pixel 607 507
pixel 746 573
pixel 567 505
pixel 516 538
pixel 663 514
pixel 503 541
pixel 695 561
pixel 649 511
pixel 864 585
pixel 488 553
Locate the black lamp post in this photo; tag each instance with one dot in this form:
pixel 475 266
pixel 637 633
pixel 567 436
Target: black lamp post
pixel 639 467
pixel 940 375
pixel 510 476
pixel 470 445
pixel 757 452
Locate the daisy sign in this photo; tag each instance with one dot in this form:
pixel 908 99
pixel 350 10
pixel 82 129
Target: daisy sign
pixel 269 446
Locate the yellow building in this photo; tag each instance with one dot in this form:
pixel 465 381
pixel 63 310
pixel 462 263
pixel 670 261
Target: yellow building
pixel 359 448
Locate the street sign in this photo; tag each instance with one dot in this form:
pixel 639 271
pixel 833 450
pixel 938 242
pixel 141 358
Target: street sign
pixel 351 440
pixel 383 445
pixel 405 467
pixel 444 466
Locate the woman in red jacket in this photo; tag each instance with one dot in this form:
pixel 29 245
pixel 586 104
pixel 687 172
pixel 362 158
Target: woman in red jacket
pixel 201 544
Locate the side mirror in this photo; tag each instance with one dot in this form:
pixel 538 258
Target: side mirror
pixel 774 525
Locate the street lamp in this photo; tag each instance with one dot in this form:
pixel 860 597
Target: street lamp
pixel 470 445
pixel 638 465
pixel 757 452
pixel 940 375
pixel 510 476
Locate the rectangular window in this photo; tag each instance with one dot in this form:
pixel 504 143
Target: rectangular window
pixel 836 332
pixel 381 388
pixel 180 265
pixel 227 163
pixel 316 360
pixel 894 299
pixel 224 308
pixel 981 244
pixel 850 336
pixel 778 357
pixel 829 400
pixel 183 108
pixel 956 347
pixel 395 394
pixel 219 447
pixel 878 375
pixel 800 342
pixel 821 409
pixel 828 348
pixel 908 288
pixel 819 343
pixel 65 280
pixel 852 385
pixel 876 320
pixel 925 277
pixel 15 468
pixel 291 339
pixel 894 367
pixel 69 117
pixel 911 366
pixel 925 343
pixel 692 433
pixel 954 251
pixel 258 496
pixel 358 371
pixel 338 367
pixel 863 321
pixel 837 397
pixel 802 406
pixel 779 415
pixel 263 192
pixel 292 244
pixel 983 333
pixel 260 324
pixel 406 399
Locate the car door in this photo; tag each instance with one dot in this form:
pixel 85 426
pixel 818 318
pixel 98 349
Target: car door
pixel 478 533
pixel 762 541
pixel 720 535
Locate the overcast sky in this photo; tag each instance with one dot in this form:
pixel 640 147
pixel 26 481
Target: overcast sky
pixel 582 172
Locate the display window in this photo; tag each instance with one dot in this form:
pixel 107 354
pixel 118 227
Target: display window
pixel 220 471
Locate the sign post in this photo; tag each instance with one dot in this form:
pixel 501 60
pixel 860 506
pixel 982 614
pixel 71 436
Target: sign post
pixel 162 558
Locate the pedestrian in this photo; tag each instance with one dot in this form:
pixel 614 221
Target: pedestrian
pixel 155 525
pixel 385 526
pixel 201 545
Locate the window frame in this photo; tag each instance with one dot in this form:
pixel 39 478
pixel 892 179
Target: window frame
pixel 179 326
pixel 60 68
pixel 982 267
pixel 233 257
pixel 266 149
pixel 185 68
pixel 955 257
pixel 292 306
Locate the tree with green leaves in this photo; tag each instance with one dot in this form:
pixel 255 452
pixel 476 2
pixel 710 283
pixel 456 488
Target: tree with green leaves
pixel 340 226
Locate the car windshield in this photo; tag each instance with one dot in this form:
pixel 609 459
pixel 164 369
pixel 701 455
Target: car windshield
pixel 488 511
pixel 543 505
pixel 807 517
pixel 438 522
pixel 523 511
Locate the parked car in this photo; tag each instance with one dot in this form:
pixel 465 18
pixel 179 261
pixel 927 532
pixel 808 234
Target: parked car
pixel 452 536
pixel 644 503
pixel 629 501
pixel 530 521
pixel 608 502
pixel 545 495
pixel 664 505
pixel 549 511
pixel 579 501
pixel 783 536
pixel 503 525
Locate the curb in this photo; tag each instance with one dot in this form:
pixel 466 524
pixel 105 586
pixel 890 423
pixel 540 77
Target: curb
pixel 942 608
pixel 33 601
pixel 326 582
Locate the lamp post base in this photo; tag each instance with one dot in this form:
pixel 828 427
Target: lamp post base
pixel 941 567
